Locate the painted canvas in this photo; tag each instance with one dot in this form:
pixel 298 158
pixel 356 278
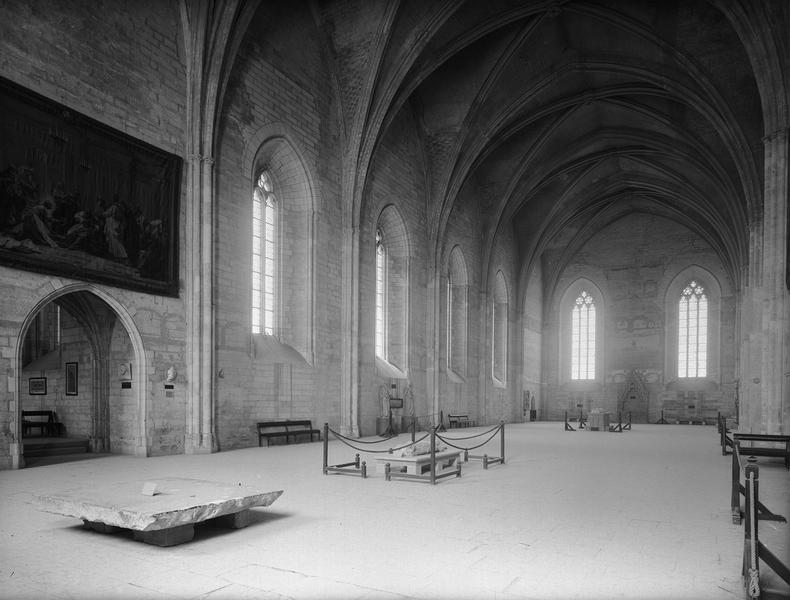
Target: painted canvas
pixel 81 200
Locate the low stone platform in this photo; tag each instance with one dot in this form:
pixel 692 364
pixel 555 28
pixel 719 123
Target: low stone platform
pixel 166 518
pixel 419 464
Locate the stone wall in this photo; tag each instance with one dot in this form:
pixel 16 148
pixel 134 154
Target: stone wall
pixel 279 115
pixel 121 64
pixel 634 262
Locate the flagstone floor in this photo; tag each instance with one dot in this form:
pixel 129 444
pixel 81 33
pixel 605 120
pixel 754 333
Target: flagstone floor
pixel 641 514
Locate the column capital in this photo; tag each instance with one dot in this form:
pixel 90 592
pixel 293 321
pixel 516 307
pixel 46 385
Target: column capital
pixel 200 158
pixel 782 131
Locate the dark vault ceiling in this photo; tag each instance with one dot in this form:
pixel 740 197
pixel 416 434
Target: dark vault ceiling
pixel 565 116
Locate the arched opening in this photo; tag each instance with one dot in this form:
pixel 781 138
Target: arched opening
pixel 80 372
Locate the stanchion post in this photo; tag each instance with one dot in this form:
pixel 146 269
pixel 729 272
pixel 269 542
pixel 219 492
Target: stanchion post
pixel 723 435
pixel 326 448
pixel 356 461
pixel 751 541
pixel 485 462
pixel 433 456
pixel 735 490
pixel 387 472
pixel 364 469
pixel 502 440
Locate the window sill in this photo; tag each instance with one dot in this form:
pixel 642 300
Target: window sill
pixel 454 377
pixel 387 369
pixel 271 350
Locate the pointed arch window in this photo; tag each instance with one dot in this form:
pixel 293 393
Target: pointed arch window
pixel 693 331
pixel 499 317
pixel 381 296
pixel 264 248
pixel 583 337
pixel 457 310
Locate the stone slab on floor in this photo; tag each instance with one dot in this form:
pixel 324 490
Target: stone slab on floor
pixel 178 502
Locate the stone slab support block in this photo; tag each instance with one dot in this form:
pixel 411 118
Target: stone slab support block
pixel 166 537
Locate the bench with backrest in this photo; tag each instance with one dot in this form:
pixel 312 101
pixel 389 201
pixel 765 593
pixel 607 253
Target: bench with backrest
pixel 779 448
pixel 461 421
pixel 287 430
pixel 45 421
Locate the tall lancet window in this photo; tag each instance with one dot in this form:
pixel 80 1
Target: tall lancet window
pixel 381 296
pixel 693 331
pixel 264 245
pixel 583 338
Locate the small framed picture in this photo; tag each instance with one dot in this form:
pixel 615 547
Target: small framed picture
pixel 37 386
pixel 72 379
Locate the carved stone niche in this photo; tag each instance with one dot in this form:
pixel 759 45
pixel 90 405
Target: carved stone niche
pixel 635 393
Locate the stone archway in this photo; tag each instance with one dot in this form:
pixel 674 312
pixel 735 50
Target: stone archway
pixel 101 321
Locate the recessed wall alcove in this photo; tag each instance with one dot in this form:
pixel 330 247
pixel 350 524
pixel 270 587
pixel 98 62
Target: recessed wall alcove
pixel 80 355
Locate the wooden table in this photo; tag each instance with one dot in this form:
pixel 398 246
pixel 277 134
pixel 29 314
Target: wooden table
pixel 166 518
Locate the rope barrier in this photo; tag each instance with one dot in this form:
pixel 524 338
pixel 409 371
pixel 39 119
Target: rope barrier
pixel 347 442
pixel 342 437
pixel 491 437
pixel 469 437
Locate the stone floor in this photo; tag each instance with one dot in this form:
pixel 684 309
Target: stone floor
pixel 643 514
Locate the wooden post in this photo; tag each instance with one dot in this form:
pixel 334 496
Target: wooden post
pixel 751 541
pixel 567 426
pixel 326 448
pixel 502 441
pixel 735 494
pixel 723 435
pixel 433 456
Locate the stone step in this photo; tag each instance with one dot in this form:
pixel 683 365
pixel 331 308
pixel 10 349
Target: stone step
pixel 55 448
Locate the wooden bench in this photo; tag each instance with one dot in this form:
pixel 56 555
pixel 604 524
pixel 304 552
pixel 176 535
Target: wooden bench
pixel 45 420
pixel 755 450
pixel 288 429
pixel 460 421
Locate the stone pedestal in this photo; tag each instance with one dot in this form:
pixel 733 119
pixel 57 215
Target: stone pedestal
pixel 598 421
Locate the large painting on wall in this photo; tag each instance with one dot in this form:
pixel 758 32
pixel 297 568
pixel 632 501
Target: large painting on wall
pixel 81 200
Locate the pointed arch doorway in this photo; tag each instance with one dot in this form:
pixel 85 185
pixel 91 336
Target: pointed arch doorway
pixel 80 356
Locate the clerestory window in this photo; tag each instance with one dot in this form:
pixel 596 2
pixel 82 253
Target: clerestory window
pixel 583 337
pixel 264 263
pixel 693 331
pixel 499 317
pixel 381 296
pixel 457 292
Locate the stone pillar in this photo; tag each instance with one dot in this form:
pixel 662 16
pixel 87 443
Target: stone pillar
pixel 199 289
pixel 775 297
pixel 751 344
pixel 349 356
pixel 434 341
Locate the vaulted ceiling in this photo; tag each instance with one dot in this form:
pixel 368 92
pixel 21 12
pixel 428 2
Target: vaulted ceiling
pixel 558 118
